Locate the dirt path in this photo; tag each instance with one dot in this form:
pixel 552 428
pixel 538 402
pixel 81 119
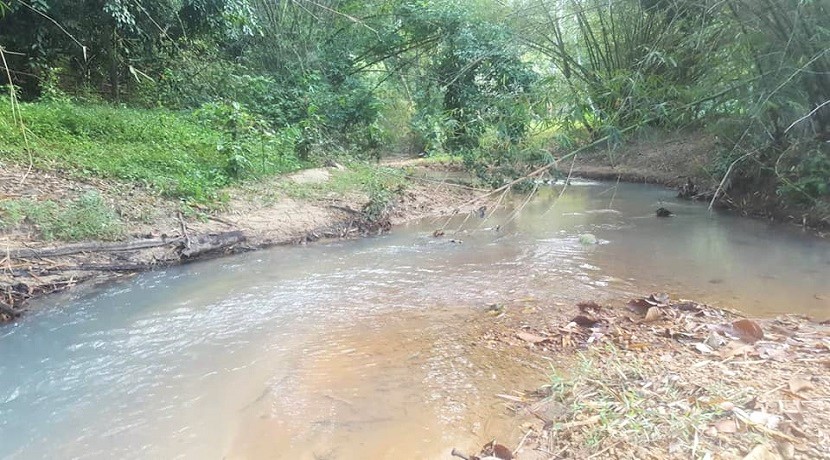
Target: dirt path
pixel 292 209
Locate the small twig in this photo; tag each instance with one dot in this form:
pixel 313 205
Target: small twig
pixel 221 221
pixel 616 187
pixel 515 214
pixel 807 116
pixel 605 450
pixel 564 187
pixel 184 230
pixel 495 208
pixel 725 177
pixel 587 421
pixel 522 442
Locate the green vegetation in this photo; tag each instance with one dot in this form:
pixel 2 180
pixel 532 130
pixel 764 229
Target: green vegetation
pixel 187 155
pixel 189 96
pixel 87 217
pixel 380 185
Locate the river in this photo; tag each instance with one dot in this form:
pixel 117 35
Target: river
pixel 362 349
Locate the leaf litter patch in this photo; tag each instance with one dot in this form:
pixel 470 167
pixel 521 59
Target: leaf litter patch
pixel 659 378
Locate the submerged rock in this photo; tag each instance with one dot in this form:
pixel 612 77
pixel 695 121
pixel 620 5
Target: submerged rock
pixel 663 212
pixel 588 239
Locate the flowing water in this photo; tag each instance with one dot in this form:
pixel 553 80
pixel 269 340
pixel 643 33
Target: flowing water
pixel 360 349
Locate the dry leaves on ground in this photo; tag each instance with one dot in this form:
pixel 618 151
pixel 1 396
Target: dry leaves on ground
pixel 676 379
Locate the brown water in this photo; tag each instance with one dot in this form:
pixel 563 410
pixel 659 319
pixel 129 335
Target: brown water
pixel 365 349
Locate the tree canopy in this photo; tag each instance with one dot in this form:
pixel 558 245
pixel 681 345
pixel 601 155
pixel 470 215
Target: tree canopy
pixel 478 78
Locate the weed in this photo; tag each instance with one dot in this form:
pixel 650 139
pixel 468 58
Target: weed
pixel 86 218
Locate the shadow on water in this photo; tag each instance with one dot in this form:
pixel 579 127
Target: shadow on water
pixel 364 349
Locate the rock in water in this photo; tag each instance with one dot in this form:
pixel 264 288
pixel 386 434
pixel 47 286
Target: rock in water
pixel 663 212
pixel 588 239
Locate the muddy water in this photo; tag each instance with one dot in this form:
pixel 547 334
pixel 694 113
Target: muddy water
pixel 364 349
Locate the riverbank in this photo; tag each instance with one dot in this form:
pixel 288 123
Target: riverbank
pixel 662 378
pixel 687 161
pixel 150 231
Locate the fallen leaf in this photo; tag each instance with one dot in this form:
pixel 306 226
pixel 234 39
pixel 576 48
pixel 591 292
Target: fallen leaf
pixel 766 419
pixel 660 297
pixel 732 349
pixel 762 452
pixel 589 307
pixel 530 338
pixel 747 330
pixel 585 321
pixel 714 340
pixel 798 385
pixel 638 306
pixel 796 417
pixel 653 314
pixel 499 451
pixel 726 405
pixel 703 348
pixel 726 426
pixel 688 306
pixel 787 449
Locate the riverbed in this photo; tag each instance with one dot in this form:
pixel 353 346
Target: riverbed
pixel 367 348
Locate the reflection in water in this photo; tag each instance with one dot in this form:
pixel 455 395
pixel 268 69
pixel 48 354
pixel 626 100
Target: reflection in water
pixel 358 349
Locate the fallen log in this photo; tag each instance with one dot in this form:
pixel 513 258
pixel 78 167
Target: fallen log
pixel 197 246
pixel 71 249
pixel 206 244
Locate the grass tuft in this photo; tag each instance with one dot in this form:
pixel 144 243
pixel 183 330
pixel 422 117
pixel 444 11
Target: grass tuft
pixel 86 218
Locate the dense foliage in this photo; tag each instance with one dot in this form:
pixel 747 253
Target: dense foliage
pixel 283 82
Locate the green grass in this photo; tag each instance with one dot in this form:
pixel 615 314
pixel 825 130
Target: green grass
pixel 175 153
pixel 86 218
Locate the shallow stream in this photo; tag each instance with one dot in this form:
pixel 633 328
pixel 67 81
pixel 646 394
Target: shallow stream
pixel 357 349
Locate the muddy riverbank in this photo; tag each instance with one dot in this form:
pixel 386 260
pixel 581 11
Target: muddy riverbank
pixel 295 209
pixel 686 161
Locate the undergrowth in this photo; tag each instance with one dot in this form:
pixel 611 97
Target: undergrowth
pixel 182 155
